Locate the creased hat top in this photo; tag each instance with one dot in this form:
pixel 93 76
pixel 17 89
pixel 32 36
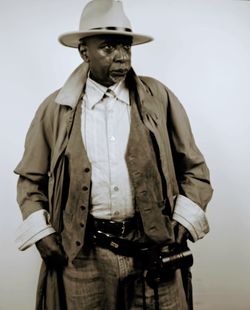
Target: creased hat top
pixel 103 17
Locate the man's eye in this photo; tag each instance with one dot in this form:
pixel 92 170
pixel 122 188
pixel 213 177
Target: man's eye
pixel 127 47
pixel 108 48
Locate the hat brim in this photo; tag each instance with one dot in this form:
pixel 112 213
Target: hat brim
pixel 72 39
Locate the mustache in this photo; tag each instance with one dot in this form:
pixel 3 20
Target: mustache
pixel 123 70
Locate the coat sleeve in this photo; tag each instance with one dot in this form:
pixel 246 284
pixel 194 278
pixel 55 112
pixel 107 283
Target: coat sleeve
pixel 192 173
pixel 32 185
pixel 33 169
pixel 182 163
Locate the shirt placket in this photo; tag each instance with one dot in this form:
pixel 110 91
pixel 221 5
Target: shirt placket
pixel 112 149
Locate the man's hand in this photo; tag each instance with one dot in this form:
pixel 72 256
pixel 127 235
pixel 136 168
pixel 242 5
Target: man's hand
pixel 181 233
pixel 51 251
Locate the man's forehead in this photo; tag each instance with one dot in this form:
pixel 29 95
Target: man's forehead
pixel 108 38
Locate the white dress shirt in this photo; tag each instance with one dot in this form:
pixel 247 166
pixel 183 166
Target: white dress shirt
pixel 105 131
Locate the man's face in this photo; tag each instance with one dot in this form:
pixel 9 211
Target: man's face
pixel 109 57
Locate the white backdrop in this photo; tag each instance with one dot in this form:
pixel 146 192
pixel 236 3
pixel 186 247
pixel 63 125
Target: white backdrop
pixel 201 51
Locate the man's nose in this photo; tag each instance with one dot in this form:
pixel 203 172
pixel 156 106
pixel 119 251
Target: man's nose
pixel 121 54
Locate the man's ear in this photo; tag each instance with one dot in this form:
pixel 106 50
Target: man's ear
pixel 83 50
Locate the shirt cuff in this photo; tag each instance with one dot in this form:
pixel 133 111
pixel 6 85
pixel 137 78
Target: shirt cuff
pixel 191 216
pixel 34 227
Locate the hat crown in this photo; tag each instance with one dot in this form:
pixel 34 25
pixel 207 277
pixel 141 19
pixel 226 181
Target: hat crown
pixel 103 17
pixel 99 14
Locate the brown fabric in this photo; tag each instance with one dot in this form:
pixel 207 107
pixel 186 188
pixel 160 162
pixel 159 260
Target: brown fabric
pixel 50 288
pixel 76 202
pixel 146 181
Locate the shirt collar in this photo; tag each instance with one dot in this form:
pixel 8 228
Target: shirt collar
pixel 95 92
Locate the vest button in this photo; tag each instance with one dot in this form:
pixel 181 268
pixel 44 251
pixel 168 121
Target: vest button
pixel 87 169
pixel 143 193
pixel 152 228
pixel 81 224
pixel 78 243
pixel 131 159
pixel 82 207
pixel 85 188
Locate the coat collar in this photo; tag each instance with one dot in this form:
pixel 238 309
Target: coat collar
pixel 71 91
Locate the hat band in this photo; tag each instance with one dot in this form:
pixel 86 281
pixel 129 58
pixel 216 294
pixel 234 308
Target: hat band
pixel 113 28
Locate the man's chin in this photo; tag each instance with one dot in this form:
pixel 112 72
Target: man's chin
pixel 116 78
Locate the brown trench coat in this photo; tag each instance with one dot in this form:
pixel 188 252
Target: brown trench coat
pixel 42 168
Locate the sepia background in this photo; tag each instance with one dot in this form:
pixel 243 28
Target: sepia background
pixel 202 52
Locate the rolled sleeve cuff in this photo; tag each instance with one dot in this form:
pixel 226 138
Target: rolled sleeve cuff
pixel 33 228
pixel 191 216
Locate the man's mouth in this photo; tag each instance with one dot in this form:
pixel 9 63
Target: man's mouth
pixel 119 72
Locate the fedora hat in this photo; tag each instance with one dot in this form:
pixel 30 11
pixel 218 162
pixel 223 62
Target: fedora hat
pixel 103 17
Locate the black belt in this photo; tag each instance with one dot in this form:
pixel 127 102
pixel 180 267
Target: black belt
pixel 115 244
pixel 117 229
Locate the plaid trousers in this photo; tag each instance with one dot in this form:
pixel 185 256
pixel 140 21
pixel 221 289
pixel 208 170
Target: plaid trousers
pixel 98 279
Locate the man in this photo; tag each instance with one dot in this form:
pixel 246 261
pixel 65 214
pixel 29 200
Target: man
pixel 110 169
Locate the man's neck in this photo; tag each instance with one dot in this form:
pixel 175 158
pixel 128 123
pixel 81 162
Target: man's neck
pixel 103 83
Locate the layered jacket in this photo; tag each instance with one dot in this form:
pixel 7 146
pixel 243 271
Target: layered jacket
pixel 41 184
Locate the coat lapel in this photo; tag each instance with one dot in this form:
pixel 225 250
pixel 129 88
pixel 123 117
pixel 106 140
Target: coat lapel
pixel 71 91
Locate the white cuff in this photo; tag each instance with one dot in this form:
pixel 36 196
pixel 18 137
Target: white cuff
pixel 34 227
pixel 191 216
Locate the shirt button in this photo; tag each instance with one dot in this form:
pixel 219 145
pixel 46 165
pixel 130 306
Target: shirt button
pixel 85 188
pixel 116 188
pixel 78 243
pixel 116 213
pixel 112 138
